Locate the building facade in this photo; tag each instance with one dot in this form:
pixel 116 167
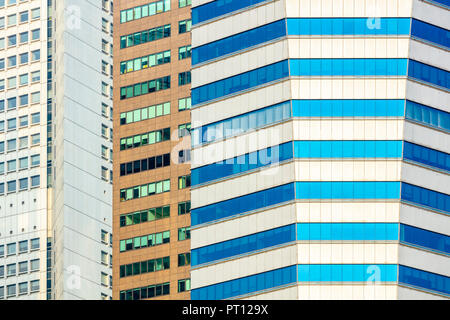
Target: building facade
pixel 320 149
pixel 151 194
pixel 55 149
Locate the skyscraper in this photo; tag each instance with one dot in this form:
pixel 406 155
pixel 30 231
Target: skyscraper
pixel 56 147
pixel 151 202
pixel 320 149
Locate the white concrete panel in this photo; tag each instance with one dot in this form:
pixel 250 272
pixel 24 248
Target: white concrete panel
pixel 348 129
pixel 347 252
pixel 427 95
pixel 343 211
pixel 321 48
pixel 347 292
pixel 348 8
pixel 348 170
pixel 421 218
pixel 348 88
pixel 278 294
pixel 425 178
pixel 405 293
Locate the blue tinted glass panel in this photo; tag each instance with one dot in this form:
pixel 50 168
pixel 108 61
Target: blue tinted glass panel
pixel 427 156
pixel 240 82
pixel 347 190
pixel 348 67
pixel 218 8
pixel 443 2
pixel 241 123
pixel 347 272
pixel 424 238
pixel 243 204
pixel 426 197
pixel 246 285
pixel 347 231
pixel 348 108
pixel 244 163
pixel 424 279
pixel 348 149
pixel 429 74
pixel 348 26
pixel 430 33
pixel 428 116
pixel 238 246
pixel 239 42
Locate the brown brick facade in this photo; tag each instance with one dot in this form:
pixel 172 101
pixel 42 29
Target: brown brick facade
pixel 175 196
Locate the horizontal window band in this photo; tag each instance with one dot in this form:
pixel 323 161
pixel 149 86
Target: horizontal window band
pixel 429 74
pixel 295 150
pixel 218 8
pixel 297 274
pixel 320 27
pixel 426 198
pixel 378 67
pixel 289 233
pixel 443 3
pixel 426 156
pixel 348 67
pixel 245 285
pixel 298 109
pixel 242 204
pixel 424 279
pixel 270 115
pixel 347 190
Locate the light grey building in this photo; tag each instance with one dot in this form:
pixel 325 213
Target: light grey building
pixel 55 149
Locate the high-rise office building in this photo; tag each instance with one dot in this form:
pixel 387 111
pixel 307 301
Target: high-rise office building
pixel 55 149
pixel 320 160
pixel 151 195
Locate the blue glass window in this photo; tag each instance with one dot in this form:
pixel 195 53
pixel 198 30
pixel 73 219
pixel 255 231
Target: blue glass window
pixel 348 26
pixel 423 279
pixel 348 190
pixel 430 33
pixel 347 231
pixel 348 108
pixel 348 149
pixel 244 163
pixel 242 204
pixel 241 123
pixel 218 8
pixel 429 74
pixel 240 82
pixel 239 42
pixel 243 245
pixel 427 156
pixel 425 238
pixel 445 3
pixel 246 285
pixel 428 116
pixel 347 272
pixel 426 197
pixel 348 67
